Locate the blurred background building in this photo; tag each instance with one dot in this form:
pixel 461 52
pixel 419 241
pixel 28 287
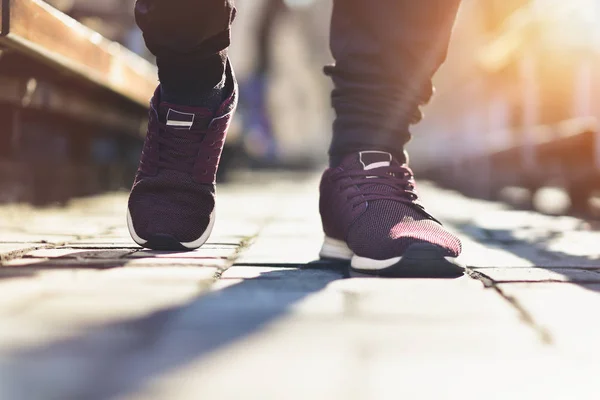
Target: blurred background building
pixel 514 63
pixel 520 76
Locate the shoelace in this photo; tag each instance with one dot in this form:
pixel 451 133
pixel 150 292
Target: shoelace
pixel 179 148
pixel 399 178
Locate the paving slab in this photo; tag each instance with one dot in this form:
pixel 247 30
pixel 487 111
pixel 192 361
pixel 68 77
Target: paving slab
pixel 255 314
pixel 66 253
pixel 41 238
pixel 497 236
pixel 289 329
pixel 513 274
pixel 566 310
pixel 12 250
pixel 220 252
pixel 63 263
pixel 104 242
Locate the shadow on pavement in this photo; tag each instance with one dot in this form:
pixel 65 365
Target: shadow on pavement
pixel 15 274
pixel 119 358
pixel 536 252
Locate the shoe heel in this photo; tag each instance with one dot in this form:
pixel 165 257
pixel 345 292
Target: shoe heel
pixel 334 249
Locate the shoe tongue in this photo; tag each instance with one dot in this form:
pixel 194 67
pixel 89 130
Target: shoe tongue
pixel 375 159
pixel 369 160
pixel 185 118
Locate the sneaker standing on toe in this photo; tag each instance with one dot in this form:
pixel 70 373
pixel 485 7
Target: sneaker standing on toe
pixel 172 202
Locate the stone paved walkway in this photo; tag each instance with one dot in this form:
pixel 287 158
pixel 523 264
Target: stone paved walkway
pixel 85 314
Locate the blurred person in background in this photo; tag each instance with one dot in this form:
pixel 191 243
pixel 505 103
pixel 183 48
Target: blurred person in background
pixel 277 47
pixel 259 138
pixel 386 53
pixel 254 136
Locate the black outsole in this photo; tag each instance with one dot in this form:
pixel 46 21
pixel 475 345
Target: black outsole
pixel 419 261
pixel 165 243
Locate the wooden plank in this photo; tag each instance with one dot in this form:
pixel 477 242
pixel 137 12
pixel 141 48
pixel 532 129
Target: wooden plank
pixel 56 99
pixel 55 39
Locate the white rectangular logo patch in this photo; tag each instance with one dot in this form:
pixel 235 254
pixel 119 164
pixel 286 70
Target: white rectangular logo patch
pixel 375 159
pixel 180 119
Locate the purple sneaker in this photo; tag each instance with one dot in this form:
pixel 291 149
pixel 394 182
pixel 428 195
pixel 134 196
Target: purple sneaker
pixel 372 217
pixel 172 202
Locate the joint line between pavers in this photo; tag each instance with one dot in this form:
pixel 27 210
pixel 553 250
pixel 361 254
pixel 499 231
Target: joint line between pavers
pixel 17 254
pixel 244 245
pixel 543 333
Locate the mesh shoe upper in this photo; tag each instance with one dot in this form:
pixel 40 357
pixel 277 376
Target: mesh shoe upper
pixel 171 203
pixel 370 202
pixel 174 189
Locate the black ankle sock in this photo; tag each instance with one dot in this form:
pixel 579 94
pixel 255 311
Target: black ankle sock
pixel 335 159
pixel 197 83
pixel 211 98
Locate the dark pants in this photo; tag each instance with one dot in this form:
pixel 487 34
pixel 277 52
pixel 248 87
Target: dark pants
pixel 386 52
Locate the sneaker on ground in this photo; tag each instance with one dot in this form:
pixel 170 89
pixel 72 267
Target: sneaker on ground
pixel 373 218
pixel 172 202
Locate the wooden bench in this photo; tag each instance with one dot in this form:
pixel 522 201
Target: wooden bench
pixel 98 78
pixel 73 106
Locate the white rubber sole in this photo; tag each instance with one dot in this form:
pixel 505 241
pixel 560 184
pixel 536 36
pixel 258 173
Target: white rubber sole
pixel 188 245
pixel 335 250
pixel 338 250
pixel 420 260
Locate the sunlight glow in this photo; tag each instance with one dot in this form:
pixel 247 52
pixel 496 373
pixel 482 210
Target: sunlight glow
pixel 570 23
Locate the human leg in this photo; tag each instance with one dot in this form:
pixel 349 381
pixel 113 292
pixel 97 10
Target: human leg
pixel 172 202
pixel 189 39
pixel 386 53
